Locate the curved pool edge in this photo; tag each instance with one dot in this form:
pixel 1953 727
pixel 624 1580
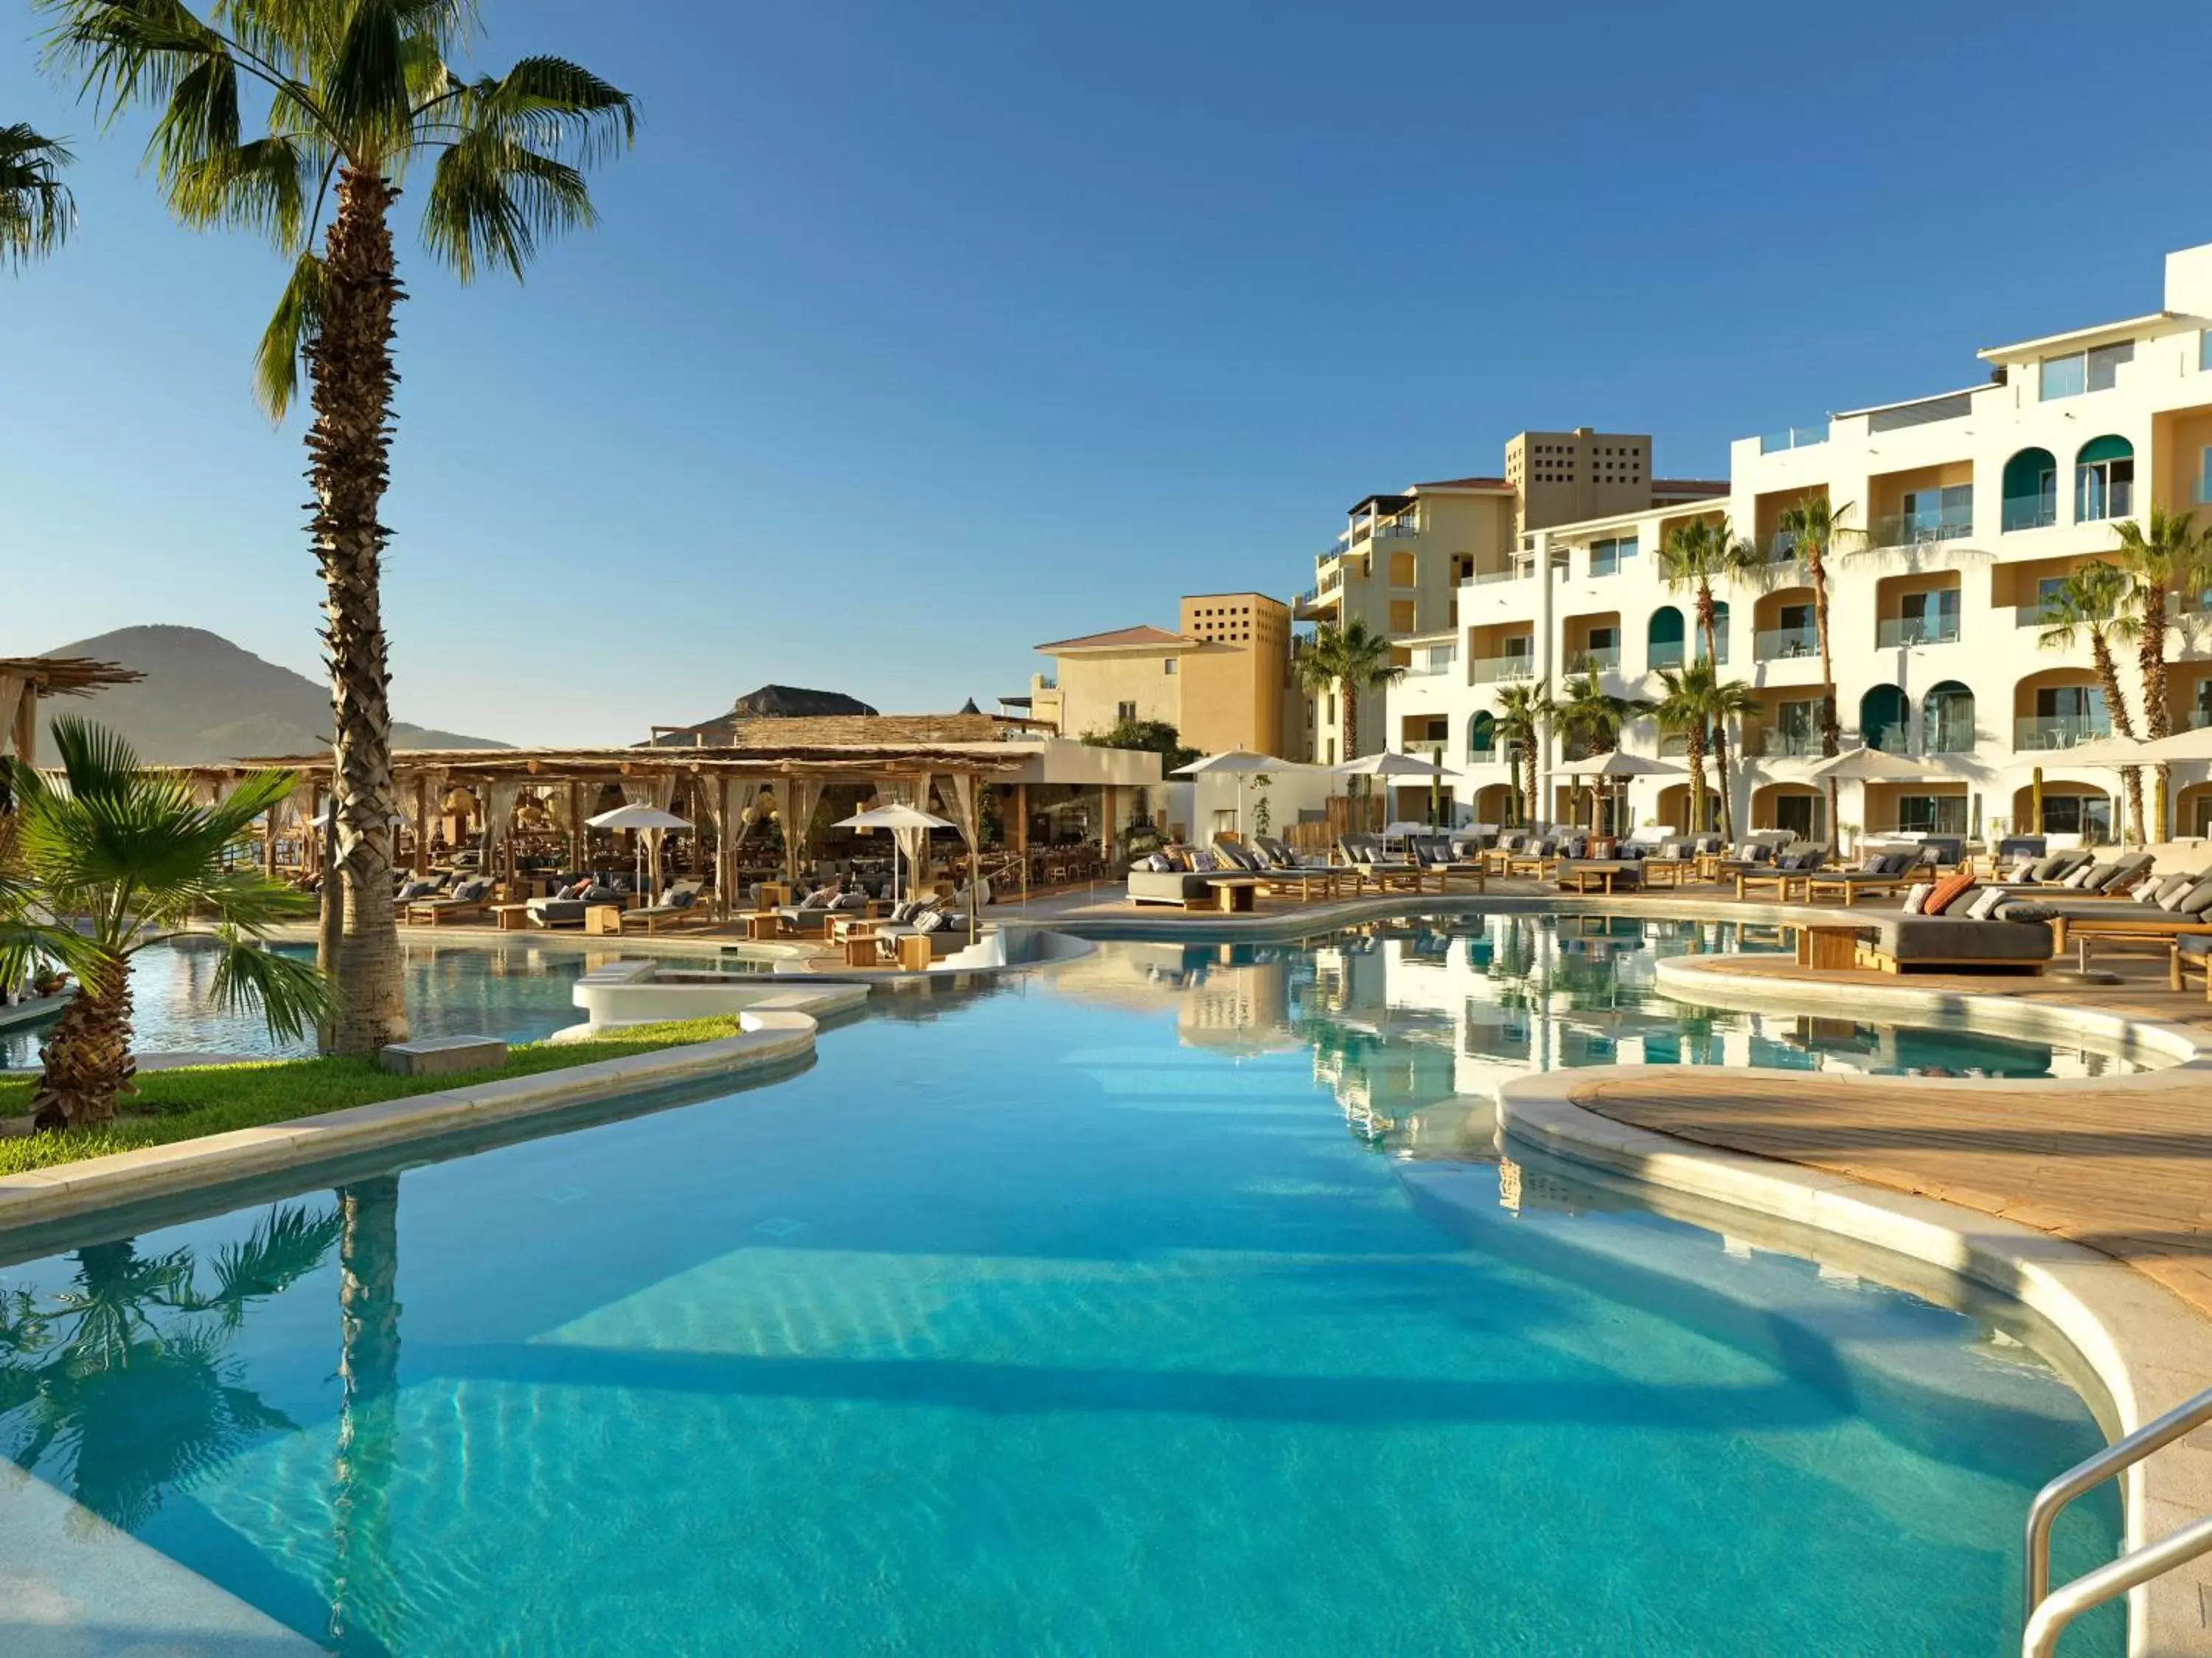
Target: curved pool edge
pixel 2147 1348
pixel 770 1037
pixel 1691 978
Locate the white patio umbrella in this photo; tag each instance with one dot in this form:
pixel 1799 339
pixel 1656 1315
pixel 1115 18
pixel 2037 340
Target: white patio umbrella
pixel 909 827
pixel 1620 766
pixel 1389 764
pixel 1864 765
pixel 653 823
pixel 1241 763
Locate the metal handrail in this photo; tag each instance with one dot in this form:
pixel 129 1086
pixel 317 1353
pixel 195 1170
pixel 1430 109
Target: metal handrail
pixel 2094 1587
pixel 2091 1590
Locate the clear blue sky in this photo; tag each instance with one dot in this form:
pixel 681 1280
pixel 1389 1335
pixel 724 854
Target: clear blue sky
pixel 914 335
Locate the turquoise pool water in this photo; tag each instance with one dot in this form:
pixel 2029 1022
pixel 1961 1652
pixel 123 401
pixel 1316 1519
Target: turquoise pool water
pixel 521 993
pixel 1062 1319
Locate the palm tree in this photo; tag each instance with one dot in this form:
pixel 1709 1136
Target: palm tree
pixel 368 1378
pixel 2093 601
pixel 1523 709
pixel 36 209
pixel 1594 717
pixel 1814 527
pixel 1698 704
pixel 2166 560
pixel 1695 555
pixel 1352 659
pixel 130 858
pixel 358 92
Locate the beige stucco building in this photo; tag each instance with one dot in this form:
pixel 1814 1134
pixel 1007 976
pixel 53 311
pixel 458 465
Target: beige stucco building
pixel 1403 561
pixel 1223 678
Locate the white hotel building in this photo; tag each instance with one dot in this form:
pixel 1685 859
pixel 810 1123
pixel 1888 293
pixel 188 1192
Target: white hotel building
pixel 1973 501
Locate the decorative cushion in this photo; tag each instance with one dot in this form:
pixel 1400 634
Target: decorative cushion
pixel 1875 863
pixel 680 898
pixel 2168 893
pixel 2047 869
pixel 820 898
pixel 929 920
pixel 1916 901
pixel 2078 881
pixel 577 889
pixel 2023 870
pixel 1985 904
pixel 598 895
pixel 1202 863
pixel 2197 900
pixel 470 891
pixel 1948 891
pixel 2023 909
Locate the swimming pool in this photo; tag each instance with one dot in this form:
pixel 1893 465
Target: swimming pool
pixel 1063 1317
pixel 520 992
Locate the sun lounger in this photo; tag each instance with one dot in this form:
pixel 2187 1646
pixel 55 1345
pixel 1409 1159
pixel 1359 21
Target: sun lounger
pixel 1608 876
pixel 1435 853
pixel 2191 955
pixel 681 905
pixel 1364 853
pixel 1885 875
pixel 470 901
pixel 1904 943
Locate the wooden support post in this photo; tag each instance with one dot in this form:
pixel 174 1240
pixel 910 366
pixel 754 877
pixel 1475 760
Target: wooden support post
pixel 1022 834
pixel 1106 821
pixel 26 726
pixel 724 845
pixel 421 825
pixel 575 827
pixel 268 843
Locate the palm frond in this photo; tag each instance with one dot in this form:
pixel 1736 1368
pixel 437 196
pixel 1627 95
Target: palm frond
pixel 37 211
pixel 289 994
pixel 297 319
pixel 364 92
pixel 492 199
pixel 261 185
pixel 552 105
pixel 97 761
pixel 124 50
pixel 286 1247
pixel 246 899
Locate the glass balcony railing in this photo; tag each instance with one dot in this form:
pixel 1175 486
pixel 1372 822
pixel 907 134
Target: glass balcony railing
pixel 1775 743
pixel 1659 657
pixel 1890 739
pixel 1485 577
pixel 1783 644
pixel 2044 731
pixel 2030 512
pixel 1950 737
pixel 1792 438
pixel 1918 529
pixel 1489 670
pixel 1894 632
pixel 1720 656
pixel 1782 548
pixel 1438 661
pixel 1604 658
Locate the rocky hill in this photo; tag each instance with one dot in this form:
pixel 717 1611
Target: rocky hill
pixel 203 699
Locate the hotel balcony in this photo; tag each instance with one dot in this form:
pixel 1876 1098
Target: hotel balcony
pixel 1792 438
pixel 1920 529
pixel 2029 512
pixel 1898 632
pixel 2042 732
pixel 1491 670
pixel 1606 659
pixel 1775 744
pixel 1783 644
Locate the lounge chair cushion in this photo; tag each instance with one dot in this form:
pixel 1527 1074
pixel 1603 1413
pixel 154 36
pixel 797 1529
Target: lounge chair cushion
pixel 1906 939
pixel 415 889
pixel 2079 879
pixel 820 898
pixel 2050 869
pixel 471 892
pixel 2023 909
pixel 596 893
pixel 1985 904
pixel 1916 901
pixel 2197 900
pixel 2168 893
pixel 1948 891
pixel 679 897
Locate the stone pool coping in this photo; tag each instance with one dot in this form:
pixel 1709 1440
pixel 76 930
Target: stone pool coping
pixel 774 1032
pixel 2147 1349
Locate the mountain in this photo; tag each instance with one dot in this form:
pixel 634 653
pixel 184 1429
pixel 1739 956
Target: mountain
pixel 790 702
pixel 203 699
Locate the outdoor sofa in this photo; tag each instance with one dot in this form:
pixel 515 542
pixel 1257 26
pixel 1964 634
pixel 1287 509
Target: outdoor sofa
pixel 1909 943
pixel 569 912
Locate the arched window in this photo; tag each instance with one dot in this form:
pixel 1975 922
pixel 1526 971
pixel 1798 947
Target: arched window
pixel 1720 634
pixel 2104 480
pixel 1946 719
pixel 1482 735
pixel 1884 719
pixel 2030 490
pixel 1663 638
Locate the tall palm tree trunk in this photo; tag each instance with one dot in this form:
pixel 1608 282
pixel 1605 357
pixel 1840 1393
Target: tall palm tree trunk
pixel 350 365
pixel 1705 621
pixel 1697 758
pixel 1832 727
pixel 2150 662
pixel 85 1063
pixel 2108 676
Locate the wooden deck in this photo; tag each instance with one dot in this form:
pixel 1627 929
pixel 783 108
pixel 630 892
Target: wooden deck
pixel 2124 1168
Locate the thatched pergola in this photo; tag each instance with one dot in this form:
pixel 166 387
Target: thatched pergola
pixel 720 782
pixel 24 681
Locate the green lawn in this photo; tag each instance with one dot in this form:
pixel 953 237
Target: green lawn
pixel 183 1105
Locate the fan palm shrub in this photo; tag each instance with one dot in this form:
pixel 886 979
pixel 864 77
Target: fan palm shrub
pixel 1815 526
pixel 355 96
pixel 36 211
pixel 2092 603
pixel 2168 563
pixel 1593 717
pixel 1353 658
pixel 115 859
pixel 1695 702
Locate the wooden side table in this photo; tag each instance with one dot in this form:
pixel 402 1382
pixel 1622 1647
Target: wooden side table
pixel 511 917
pixel 1234 897
pixel 914 953
pixel 602 919
pixel 1828 949
pixel 767 923
pixel 861 949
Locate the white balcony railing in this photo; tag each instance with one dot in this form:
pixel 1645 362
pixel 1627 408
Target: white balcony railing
pixel 1491 670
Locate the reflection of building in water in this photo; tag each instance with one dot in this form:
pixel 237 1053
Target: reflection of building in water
pixel 1228 997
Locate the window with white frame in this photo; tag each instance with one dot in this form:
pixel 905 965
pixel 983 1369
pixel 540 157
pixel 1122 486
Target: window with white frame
pixel 1606 556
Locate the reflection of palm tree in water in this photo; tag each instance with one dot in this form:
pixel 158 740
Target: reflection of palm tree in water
pixel 368 1377
pixel 123 1373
